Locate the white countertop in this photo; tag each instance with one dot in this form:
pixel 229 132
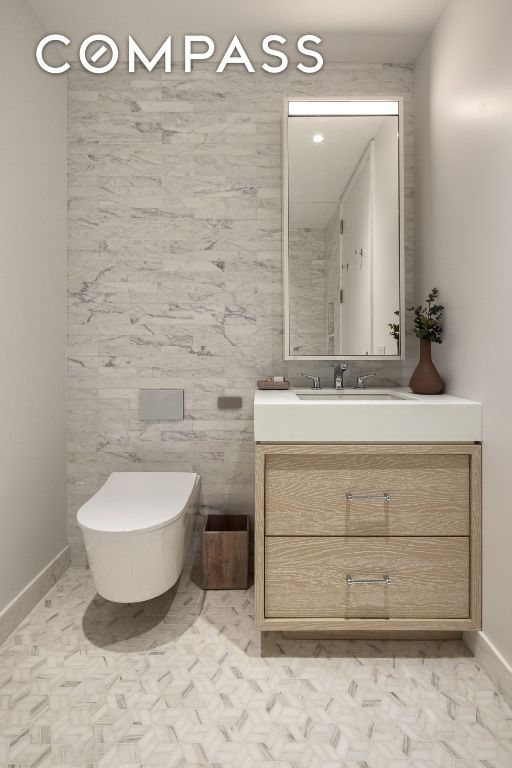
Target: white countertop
pixel 280 416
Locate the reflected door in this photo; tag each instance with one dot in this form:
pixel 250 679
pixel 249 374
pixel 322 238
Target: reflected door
pixel 356 262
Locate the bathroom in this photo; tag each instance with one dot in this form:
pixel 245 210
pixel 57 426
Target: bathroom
pixel 147 252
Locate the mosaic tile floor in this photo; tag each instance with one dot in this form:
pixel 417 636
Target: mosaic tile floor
pixel 185 680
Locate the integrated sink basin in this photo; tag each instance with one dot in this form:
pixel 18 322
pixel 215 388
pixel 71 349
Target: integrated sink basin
pixel 392 415
pixel 327 397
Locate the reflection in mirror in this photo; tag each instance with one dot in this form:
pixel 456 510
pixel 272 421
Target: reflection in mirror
pixel 343 256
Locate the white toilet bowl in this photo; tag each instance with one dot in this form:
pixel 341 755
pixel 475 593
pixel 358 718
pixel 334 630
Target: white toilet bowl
pixel 137 529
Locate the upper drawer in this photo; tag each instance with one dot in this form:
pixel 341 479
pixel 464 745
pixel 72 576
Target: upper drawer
pixel 317 495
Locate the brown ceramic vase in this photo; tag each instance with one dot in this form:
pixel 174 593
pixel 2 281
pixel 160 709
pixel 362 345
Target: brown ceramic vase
pixel 426 379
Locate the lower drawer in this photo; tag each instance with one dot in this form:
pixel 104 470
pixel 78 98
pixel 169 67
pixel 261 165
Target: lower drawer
pixel 323 577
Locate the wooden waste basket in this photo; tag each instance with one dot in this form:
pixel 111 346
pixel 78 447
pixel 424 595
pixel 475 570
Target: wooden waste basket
pixel 226 552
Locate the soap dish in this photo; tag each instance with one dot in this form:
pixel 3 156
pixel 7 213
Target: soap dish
pixel 270 384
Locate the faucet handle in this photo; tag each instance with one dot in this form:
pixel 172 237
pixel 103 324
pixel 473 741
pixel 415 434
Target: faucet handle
pixel 361 380
pixel 315 380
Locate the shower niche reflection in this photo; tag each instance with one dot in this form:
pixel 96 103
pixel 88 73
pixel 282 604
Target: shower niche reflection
pixel 343 229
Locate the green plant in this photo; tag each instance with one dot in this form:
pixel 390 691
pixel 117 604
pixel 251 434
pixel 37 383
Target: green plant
pixel 394 328
pixel 427 320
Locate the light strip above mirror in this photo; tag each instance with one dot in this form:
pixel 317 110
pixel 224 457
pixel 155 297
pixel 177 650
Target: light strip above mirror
pixel 329 108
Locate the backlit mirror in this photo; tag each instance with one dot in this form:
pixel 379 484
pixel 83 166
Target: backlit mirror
pixel 343 241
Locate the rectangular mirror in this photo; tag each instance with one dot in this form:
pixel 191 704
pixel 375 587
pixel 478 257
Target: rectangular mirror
pixel 343 229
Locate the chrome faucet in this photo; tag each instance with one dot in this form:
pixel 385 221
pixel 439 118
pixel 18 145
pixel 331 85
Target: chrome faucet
pixel 361 380
pixel 315 380
pixel 339 372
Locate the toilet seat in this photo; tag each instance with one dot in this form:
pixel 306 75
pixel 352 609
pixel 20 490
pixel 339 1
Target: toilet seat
pixel 136 502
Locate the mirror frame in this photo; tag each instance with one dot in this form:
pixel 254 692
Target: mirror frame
pixel 285 239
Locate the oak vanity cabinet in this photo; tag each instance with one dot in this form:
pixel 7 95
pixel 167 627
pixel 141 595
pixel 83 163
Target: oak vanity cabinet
pixel 368 537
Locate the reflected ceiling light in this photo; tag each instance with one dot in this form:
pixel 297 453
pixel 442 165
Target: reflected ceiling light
pixel 322 108
pixel 317 138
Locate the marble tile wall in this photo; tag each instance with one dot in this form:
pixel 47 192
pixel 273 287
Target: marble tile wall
pixel 175 265
pixel 307 291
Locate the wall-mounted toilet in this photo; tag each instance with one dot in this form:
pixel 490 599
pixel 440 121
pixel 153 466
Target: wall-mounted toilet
pixel 137 529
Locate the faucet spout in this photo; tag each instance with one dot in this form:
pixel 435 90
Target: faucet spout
pixel 339 372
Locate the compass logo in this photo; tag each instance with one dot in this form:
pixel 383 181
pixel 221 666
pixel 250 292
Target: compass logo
pixel 99 54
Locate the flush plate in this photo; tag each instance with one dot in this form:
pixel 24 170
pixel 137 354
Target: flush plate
pixel 161 405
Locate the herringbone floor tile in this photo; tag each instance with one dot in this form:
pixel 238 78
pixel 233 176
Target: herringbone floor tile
pixel 185 680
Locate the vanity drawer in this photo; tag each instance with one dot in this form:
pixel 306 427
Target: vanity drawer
pixel 307 577
pixel 309 495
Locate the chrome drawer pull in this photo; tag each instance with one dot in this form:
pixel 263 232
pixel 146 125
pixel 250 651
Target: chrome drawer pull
pixel 385 580
pixel 384 497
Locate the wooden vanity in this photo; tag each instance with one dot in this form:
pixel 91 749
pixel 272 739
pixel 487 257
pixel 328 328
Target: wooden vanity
pixel 368 537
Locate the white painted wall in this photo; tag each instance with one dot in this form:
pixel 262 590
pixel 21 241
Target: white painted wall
pixel 386 237
pixel 464 206
pixel 32 305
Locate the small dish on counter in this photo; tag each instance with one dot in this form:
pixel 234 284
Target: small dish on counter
pixel 271 383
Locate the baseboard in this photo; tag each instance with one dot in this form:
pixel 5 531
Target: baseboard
pixel 492 662
pixel 14 613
